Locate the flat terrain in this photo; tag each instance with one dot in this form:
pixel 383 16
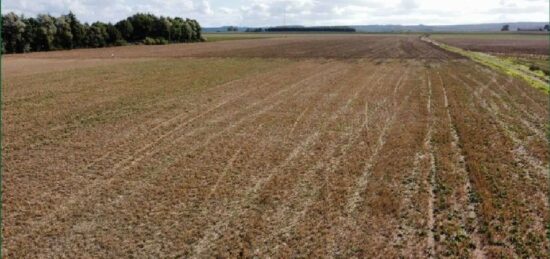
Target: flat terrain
pixel 224 36
pixel 318 146
pixel 501 43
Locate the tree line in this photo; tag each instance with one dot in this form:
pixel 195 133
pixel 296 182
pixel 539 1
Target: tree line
pixel 311 29
pixel 45 32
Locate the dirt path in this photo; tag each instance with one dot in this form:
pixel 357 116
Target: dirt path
pixel 432 171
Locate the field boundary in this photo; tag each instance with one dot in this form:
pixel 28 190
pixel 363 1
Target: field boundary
pixel 533 79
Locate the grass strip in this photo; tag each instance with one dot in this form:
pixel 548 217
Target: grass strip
pixel 534 79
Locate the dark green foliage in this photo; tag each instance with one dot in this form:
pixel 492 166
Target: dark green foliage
pixel 254 30
pixel 45 35
pixel 97 35
pixel 154 41
pixel 29 39
pixel 113 35
pixel 78 30
pixel 125 28
pixel 143 25
pixel 45 32
pixel 13 30
pixel 64 35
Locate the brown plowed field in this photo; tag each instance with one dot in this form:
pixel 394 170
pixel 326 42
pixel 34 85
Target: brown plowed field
pixel 336 146
pixel 511 44
pixel 329 46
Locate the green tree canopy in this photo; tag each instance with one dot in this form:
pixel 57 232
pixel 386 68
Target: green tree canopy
pixel 46 32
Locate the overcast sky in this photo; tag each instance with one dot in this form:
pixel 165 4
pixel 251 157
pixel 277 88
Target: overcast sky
pixel 298 12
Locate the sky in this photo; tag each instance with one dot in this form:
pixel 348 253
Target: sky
pixel 211 13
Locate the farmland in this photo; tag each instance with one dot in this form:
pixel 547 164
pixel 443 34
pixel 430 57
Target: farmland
pixel 303 146
pixel 500 43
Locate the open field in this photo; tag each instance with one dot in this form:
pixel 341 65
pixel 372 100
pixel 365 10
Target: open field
pixel 223 36
pixel 317 146
pixel 215 37
pixel 500 43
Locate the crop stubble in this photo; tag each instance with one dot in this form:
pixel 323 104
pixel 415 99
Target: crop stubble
pixel 305 146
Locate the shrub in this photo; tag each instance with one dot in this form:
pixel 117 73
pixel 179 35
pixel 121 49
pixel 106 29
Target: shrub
pixel 154 41
pixel 120 43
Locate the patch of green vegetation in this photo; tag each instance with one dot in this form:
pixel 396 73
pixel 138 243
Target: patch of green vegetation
pixel 536 79
pixel 540 66
pixel 155 41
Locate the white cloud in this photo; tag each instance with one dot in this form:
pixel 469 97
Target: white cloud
pixel 409 4
pixel 305 12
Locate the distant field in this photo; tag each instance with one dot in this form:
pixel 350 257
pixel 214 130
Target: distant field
pixel 525 51
pixel 223 36
pixel 499 36
pixel 499 43
pixel 347 46
pixel 344 146
pixel 214 37
pixel 220 36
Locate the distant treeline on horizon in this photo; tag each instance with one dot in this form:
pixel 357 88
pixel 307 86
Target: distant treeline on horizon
pixel 485 27
pixel 290 29
pixel 311 29
pixel 45 32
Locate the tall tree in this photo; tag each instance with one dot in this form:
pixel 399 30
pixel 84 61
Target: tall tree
pixel 186 31
pixel 162 28
pixel 193 31
pixel 125 28
pixel 97 35
pixel 64 35
pixel 77 29
pixel 29 36
pixel 13 29
pixel 198 30
pixel 176 29
pixel 505 27
pixel 114 37
pixel 20 34
pixel 45 34
pixel 143 25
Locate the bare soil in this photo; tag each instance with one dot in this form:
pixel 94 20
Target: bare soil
pixel 344 146
pixel 516 46
pixel 329 46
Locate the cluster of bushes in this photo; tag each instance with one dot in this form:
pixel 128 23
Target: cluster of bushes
pixel 232 28
pixel 155 41
pixel 254 30
pixel 45 32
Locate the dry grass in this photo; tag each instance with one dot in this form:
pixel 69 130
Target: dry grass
pixel 345 146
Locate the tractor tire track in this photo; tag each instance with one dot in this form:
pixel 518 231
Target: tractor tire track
pixel 348 217
pixel 363 179
pixel 352 134
pixel 252 193
pixel 520 149
pixel 460 167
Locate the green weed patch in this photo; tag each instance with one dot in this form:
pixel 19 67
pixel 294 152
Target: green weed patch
pixel 535 78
